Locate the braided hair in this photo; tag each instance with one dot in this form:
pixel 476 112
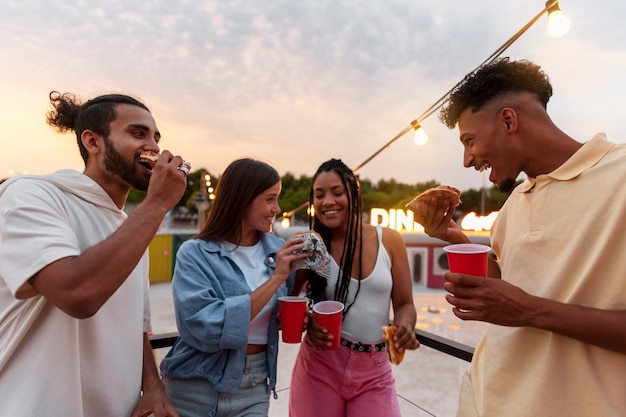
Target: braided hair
pixel 353 238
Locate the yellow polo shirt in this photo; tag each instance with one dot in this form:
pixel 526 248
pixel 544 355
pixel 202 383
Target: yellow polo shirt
pixel 560 236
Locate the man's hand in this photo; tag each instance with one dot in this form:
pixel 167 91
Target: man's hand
pixel 438 222
pixel 488 299
pixel 154 403
pixel 499 302
pixel 167 183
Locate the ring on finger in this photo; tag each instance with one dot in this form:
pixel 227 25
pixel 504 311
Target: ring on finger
pixel 185 167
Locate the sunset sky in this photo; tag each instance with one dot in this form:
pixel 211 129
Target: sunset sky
pixel 296 82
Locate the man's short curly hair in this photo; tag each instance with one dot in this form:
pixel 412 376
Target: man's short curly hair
pixel 492 80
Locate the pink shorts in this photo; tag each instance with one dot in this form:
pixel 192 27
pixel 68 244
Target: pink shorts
pixel 342 383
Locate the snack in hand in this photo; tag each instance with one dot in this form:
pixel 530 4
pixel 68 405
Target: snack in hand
pixel 148 159
pixel 319 258
pixel 311 241
pixel 395 357
pixel 419 205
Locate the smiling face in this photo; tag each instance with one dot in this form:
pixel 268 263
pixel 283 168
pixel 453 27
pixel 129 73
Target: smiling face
pixel 487 145
pixel 259 215
pixel 330 200
pixel 132 131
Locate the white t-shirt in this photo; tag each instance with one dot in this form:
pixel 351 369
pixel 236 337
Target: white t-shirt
pixel 52 364
pixel 250 260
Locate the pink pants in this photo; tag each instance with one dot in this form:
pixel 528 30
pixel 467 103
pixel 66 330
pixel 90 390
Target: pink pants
pixel 342 383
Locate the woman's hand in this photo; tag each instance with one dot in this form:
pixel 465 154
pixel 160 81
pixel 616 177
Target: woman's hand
pixel 287 254
pixel 405 337
pixel 318 335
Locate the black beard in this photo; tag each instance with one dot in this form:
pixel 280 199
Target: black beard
pixel 506 186
pixel 116 164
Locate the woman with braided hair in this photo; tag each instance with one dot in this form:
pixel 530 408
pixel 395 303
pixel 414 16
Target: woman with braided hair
pixel 369 273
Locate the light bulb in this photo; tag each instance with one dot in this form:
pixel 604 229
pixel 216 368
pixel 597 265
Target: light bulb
pixel 558 24
pixel 285 222
pixel 420 137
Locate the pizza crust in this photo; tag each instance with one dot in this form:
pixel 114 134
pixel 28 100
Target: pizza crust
pixel 395 357
pixel 420 204
pixel 148 158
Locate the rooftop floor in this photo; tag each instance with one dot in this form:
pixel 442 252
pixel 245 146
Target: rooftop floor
pixel 427 381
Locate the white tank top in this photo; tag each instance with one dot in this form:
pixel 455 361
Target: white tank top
pixel 370 311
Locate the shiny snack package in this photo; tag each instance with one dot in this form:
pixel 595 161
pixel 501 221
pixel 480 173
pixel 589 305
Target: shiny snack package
pixel 319 260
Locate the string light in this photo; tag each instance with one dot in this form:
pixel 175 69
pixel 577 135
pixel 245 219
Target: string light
pixel 420 137
pixel 558 23
pixel 550 6
pixel 209 187
pixel 555 17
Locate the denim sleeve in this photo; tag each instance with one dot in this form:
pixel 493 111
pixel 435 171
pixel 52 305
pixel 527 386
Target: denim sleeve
pixel 212 307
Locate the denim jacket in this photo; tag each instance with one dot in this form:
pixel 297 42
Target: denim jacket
pixel 212 308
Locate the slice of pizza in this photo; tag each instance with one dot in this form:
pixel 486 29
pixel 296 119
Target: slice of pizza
pixel 420 204
pixel 395 357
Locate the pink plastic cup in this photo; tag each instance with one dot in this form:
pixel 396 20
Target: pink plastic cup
pixel 468 258
pixel 328 314
pixel 292 312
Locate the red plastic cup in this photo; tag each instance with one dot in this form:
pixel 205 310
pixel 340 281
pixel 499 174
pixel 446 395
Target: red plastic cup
pixel 328 314
pixel 468 258
pixel 292 312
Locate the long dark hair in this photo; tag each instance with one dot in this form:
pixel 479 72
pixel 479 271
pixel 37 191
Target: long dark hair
pixel 353 238
pixel 242 181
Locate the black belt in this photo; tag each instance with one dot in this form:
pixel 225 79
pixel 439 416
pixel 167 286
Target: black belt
pixel 360 347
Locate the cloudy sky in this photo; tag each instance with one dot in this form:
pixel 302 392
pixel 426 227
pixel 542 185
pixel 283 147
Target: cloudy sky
pixel 295 82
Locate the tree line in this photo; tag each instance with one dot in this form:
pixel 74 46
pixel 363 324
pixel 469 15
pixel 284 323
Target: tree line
pixel 385 194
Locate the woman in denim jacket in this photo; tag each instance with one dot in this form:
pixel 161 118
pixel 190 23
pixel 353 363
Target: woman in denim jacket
pixel 226 285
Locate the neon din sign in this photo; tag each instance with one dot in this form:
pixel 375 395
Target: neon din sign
pixel 403 220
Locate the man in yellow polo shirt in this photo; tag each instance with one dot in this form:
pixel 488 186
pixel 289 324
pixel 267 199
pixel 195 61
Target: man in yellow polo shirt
pixel 556 345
